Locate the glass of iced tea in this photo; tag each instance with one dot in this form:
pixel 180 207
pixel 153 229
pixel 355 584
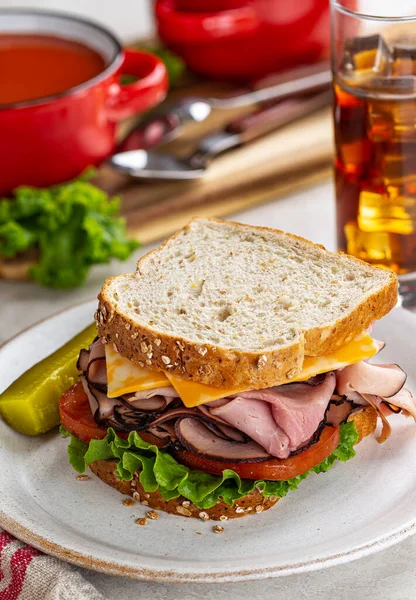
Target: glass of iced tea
pixel 374 68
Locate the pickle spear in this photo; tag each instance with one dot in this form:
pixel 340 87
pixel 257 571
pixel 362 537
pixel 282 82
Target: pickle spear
pixel 31 403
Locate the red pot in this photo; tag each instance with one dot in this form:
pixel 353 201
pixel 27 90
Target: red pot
pixel 208 5
pixel 260 37
pixel 53 139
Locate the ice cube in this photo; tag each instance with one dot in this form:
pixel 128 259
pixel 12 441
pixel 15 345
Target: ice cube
pixel 369 53
pixel 404 86
pixel 403 66
pixel 376 248
pixel 355 156
pixel 383 213
pixel 399 165
pixel 404 57
pixel 380 122
pixel 404 48
pixel 392 120
pixel 392 250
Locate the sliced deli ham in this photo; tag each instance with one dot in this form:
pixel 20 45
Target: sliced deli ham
pixel 366 378
pixel 283 418
pixel 405 401
pixel 97 349
pixel 255 418
pixel 101 406
pixel 198 438
pixel 376 402
pixel 96 373
pixel 152 400
pixel 278 422
pixel 338 411
pixel 83 360
pixel 381 382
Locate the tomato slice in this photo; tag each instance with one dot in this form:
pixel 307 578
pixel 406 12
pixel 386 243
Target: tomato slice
pixel 77 418
pixel 272 470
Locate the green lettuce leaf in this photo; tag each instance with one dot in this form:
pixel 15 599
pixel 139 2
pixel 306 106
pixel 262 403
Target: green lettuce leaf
pixel 72 226
pixel 159 470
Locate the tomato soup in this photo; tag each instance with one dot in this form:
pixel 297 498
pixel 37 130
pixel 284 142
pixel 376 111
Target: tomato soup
pixel 36 66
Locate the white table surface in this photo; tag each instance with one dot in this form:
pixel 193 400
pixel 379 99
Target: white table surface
pixel 389 575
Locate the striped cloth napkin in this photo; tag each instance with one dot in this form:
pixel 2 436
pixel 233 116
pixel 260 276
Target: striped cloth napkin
pixel 27 574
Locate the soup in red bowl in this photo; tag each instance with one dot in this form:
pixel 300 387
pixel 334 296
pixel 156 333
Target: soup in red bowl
pixel 61 97
pixel 33 66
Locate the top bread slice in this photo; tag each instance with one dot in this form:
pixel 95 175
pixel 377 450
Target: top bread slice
pixel 237 306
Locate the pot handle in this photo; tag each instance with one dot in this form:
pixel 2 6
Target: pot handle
pixel 149 90
pixel 181 27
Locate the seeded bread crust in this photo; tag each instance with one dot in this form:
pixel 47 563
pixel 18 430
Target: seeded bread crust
pixel 365 420
pixel 254 502
pixel 230 367
pixel 218 367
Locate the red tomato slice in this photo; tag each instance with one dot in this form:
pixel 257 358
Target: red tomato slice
pixel 77 418
pixel 274 469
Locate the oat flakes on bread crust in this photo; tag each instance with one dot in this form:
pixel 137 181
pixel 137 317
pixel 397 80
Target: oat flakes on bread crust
pixel 365 420
pixel 105 470
pixel 233 305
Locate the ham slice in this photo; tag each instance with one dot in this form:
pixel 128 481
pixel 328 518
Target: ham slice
pixel 281 419
pixel 380 382
pixel 97 350
pixel 96 373
pixel 152 400
pixel 101 406
pixel 198 438
pixel 83 360
pixel 376 402
pixel 255 418
pixel 405 401
pixel 167 392
pixel 338 411
pixel 380 345
pixel 365 378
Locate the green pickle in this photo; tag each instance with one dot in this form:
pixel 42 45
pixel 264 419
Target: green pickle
pixel 31 404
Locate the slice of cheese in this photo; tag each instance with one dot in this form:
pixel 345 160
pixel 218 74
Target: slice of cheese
pixel 125 377
pixel 194 394
pixel 361 348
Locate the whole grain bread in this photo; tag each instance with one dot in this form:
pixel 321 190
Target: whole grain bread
pixel 365 420
pixel 237 306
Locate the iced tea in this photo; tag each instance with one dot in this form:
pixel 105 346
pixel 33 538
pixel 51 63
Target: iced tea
pixel 375 165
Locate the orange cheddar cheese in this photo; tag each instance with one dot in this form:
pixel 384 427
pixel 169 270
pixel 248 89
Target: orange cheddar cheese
pixel 126 377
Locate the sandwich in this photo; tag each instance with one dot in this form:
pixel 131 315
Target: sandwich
pixel 235 362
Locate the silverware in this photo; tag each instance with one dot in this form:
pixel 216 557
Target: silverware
pixel 167 122
pixel 157 165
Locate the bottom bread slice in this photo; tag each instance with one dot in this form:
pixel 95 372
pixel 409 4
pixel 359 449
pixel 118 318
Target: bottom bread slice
pixel 365 421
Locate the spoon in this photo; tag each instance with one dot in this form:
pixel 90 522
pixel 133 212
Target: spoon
pixel 151 164
pixel 166 123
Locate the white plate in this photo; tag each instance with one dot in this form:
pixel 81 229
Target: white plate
pixel 355 509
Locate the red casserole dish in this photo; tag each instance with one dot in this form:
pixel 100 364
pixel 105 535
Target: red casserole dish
pixel 208 5
pixel 54 138
pixel 252 40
